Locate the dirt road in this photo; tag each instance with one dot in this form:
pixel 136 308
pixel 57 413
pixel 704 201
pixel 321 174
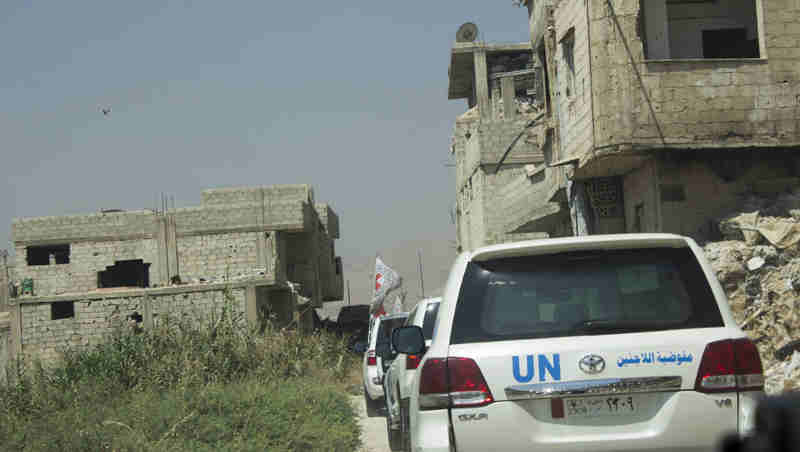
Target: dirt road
pixel 373 429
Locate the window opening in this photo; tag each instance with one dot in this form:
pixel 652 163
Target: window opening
pixel 545 79
pixel 62 310
pixel 729 43
pixel 131 273
pixel 568 54
pixel 700 29
pixel 47 255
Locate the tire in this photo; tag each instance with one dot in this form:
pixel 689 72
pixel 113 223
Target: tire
pixel 395 438
pixel 405 433
pixel 373 406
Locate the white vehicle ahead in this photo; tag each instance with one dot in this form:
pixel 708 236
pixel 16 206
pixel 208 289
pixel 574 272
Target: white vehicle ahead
pixel 399 376
pixel 380 329
pixel 601 343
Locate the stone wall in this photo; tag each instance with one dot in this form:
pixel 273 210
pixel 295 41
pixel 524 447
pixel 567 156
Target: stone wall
pixel 572 88
pixel 86 260
pixel 696 191
pixel 237 195
pixel 95 316
pixel 201 307
pixel 259 231
pixel 329 219
pixel 332 282
pixel 212 256
pixel 478 146
pixel 75 228
pixel 303 261
pixel 640 191
pixel 490 140
pixel 285 215
pixel 698 103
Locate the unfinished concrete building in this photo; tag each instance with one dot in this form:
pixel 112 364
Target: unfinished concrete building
pixel 658 115
pixel 78 276
pixel 504 192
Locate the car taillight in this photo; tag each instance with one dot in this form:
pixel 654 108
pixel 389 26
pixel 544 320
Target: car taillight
pixel 372 360
pixel 730 365
pixel 452 383
pixel 412 361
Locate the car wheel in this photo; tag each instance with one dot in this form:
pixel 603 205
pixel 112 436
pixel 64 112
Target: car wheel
pixel 395 437
pixel 405 432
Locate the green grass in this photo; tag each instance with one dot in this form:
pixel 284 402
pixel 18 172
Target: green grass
pixel 187 387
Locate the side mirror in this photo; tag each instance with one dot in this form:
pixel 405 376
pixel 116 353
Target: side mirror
pixel 384 350
pixel 408 340
pixel 360 348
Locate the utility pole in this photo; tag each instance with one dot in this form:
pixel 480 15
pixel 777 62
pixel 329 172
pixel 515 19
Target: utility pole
pixel 421 278
pixel 348 291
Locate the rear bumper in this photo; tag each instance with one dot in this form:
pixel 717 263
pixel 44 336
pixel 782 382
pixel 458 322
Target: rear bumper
pixel 432 432
pixel 374 391
pixel 687 421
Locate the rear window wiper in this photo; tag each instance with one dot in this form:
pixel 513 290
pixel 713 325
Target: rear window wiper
pixel 604 325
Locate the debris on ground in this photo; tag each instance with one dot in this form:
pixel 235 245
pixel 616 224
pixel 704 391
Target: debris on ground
pixel 758 265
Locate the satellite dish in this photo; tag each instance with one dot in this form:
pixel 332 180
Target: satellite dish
pixel 467 32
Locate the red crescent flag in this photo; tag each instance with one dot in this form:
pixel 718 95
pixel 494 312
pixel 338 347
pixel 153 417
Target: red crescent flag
pixel 386 279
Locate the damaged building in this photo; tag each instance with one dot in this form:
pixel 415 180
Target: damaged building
pixel 268 250
pixel 646 116
pixel 500 146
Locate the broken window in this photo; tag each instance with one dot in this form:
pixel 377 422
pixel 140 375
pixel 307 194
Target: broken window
pixel 544 80
pixel 519 65
pixel 688 29
pixel 62 310
pixel 46 255
pixel 568 55
pixel 132 273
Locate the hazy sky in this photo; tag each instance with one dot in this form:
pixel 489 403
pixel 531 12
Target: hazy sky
pixel 349 96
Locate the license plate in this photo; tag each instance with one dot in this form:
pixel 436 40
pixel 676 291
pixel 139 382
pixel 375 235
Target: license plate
pixel 600 406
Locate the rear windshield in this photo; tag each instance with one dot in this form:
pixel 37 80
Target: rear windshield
pixel 429 320
pixel 386 327
pixel 560 295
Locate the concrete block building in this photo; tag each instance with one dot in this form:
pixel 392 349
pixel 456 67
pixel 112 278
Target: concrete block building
pixel 271 247
pixel 657 115
pixel 501 147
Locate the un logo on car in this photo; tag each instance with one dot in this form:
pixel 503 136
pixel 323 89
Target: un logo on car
pixel 592 364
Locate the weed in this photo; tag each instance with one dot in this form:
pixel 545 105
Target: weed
pixel 186 384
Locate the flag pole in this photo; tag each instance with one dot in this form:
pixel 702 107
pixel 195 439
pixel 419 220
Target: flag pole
pixel 421 278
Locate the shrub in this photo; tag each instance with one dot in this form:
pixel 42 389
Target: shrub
pixel 184 385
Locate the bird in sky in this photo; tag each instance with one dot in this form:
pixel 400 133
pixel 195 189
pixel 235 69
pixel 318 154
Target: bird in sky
pixel 106 110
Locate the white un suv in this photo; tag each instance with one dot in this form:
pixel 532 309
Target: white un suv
pixel 398 378
pixel 602 343
pixel 372 367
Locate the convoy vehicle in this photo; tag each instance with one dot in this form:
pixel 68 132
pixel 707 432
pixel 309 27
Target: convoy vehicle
pixel 380 330
pixel 398 378
pixel 601 343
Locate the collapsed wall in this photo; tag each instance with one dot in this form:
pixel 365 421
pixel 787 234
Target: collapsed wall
pixel 758 264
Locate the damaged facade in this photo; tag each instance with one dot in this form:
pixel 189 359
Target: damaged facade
pixel 270 249
pixel 651 116
pixel 504 192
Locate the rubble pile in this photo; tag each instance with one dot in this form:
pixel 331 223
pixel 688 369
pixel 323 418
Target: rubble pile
pixel 758 265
